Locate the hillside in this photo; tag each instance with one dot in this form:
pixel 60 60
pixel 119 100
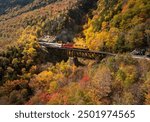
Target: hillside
pixel 49 19
pixel 12 15
pixel 7 5
pixel 15 7
pixel 118 26
pixel 30 75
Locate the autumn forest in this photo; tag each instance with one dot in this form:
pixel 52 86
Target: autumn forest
pixel 30 75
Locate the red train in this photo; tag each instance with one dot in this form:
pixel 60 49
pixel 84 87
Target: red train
pixel 77 46
pixel 68 45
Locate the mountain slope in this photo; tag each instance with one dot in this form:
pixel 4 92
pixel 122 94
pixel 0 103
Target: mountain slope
pixel 21 6
pixel 54 14
pixel 120 25
pixel 7 5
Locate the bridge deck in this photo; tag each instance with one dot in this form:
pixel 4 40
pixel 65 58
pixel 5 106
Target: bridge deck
pixel 76 52
pixel 84 53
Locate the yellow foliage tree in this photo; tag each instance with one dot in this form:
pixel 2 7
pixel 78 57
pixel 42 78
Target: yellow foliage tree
pixel 45 76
